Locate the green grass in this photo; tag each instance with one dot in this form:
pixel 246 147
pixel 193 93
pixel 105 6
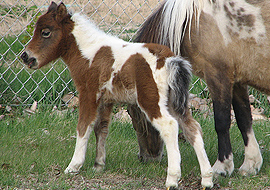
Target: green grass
pixel 36 149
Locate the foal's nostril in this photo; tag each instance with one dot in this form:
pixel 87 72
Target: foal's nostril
pixel 24 56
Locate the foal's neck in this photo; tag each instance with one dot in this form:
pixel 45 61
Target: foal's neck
pixel 72 54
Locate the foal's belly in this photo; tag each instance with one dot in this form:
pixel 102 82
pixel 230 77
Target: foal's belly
pixel 120 96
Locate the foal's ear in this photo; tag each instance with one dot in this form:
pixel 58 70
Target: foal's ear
pixel 52 7
pixel 61 12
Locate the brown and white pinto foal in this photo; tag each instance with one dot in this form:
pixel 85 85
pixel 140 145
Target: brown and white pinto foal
pixel 106 70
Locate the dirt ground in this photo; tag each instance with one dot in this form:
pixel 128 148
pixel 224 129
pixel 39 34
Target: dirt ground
pixel 105 182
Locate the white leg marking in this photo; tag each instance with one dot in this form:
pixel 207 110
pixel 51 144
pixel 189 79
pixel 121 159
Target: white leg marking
pixel 79 153
pixel 206 170
pixel 253 158
pixel 227 166
pixel 168 128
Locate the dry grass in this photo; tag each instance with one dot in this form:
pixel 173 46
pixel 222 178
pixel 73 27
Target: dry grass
pixel 110 14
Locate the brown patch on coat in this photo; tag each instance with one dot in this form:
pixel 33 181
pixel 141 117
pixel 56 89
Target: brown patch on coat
pixel 103 62
pixel 161 51
pixel 147 91
pixel 232 4
pixel 125 78
pixel 86 81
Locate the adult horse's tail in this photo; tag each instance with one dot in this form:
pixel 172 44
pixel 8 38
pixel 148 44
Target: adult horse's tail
pixel 169 22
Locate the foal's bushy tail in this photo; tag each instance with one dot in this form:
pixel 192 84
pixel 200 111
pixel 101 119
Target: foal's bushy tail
pixel 179 80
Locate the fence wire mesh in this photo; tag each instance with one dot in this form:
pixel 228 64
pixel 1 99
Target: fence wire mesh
pixel 22 86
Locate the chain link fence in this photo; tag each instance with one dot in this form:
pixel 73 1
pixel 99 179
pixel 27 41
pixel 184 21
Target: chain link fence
pixel 22 86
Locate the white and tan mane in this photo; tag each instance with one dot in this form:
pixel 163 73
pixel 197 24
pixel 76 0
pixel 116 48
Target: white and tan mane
pixel 177 17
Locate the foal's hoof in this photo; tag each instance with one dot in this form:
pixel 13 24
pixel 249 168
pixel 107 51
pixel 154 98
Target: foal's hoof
pixel 207 179
pixel 172 188
pixel 98 167
pixel 71 171
pixel 206 188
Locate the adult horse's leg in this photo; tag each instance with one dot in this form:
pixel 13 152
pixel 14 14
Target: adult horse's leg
pixel 253 159
pixel 220 88
pixel 150 143
pixel 101 131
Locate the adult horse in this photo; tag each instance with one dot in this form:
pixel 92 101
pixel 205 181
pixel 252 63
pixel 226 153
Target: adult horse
pixel 227 43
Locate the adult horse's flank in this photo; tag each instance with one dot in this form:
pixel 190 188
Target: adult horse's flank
pixel 106 70
pixel 227 43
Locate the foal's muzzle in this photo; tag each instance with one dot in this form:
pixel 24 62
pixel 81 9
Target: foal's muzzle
pixel 29 61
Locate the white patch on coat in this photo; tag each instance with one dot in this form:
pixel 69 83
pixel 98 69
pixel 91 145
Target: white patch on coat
pixel 232 19
pixel 79 153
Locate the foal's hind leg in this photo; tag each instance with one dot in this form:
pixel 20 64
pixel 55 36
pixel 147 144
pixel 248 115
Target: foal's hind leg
pixel 168 130
pixel 101 132
pixel 192 132
pixel 253 159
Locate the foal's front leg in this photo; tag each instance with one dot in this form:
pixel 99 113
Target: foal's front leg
pixel 87 116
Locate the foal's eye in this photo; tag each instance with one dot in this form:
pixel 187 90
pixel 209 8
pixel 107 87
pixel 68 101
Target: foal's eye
pixel 46 33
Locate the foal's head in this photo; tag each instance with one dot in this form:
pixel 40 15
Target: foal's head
pixel 49 40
